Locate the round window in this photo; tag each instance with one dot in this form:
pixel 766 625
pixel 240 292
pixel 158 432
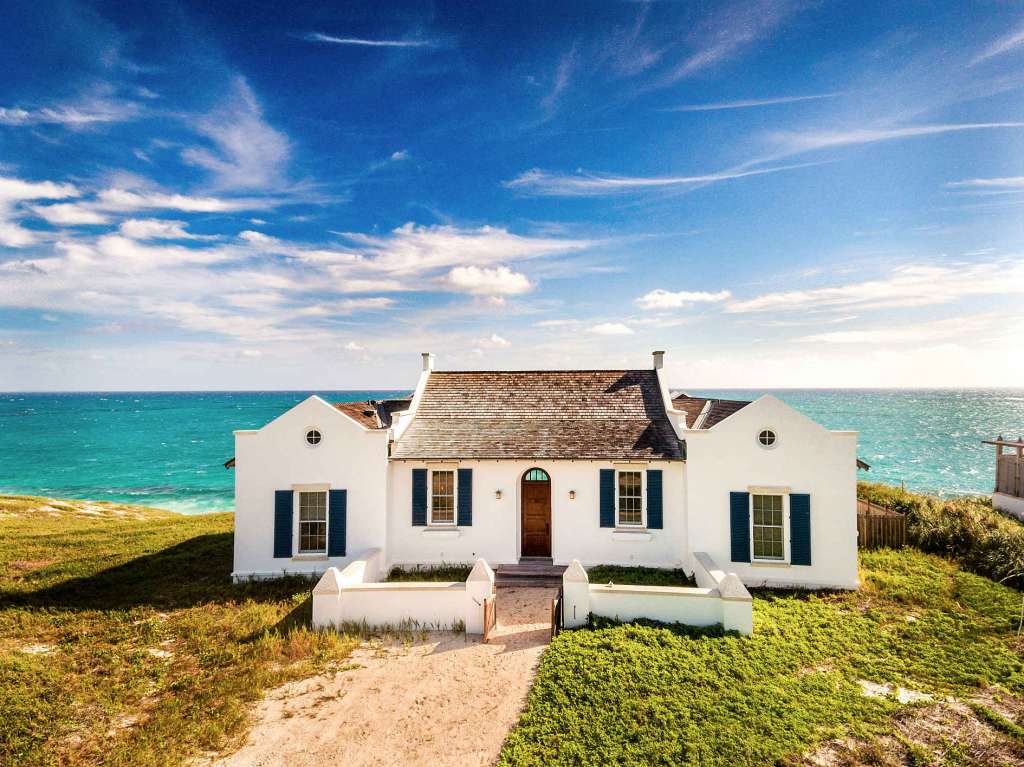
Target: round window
pixel 766 438
pixel 313 437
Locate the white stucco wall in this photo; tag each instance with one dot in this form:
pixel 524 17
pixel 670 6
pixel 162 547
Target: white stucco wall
pixel 575 523
pixel 806 459
pixel 1009 504
pixel 277 457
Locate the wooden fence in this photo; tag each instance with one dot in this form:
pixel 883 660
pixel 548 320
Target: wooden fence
pixel 1010 475
pixel 879 527
pixel 490 617
pixel 557 608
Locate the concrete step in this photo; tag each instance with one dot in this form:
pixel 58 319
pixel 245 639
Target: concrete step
pixel 529 572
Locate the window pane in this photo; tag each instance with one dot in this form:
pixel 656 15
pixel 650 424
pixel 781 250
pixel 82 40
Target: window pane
pixel 768 527
pixel 630 498
pixel 442 497
pixel 312 522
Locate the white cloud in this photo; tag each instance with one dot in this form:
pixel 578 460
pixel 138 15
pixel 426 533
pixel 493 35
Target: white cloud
pixel 69 214
pixel 1003 45
pixel 542 183
pixel 494 341
pixel 16 190
pixel 248 153
pixel 912 285
pixel 1007 182
pixel 794 142
pixel 319 37
pixel 412 249
pixel 352 346
pixel 87 111
pixel 612 329
pixel 748 103
pixel 567 65
pixel 155 229
pixel 124 200
pixel 925 332
pixel 664 299
pixel 400 155
pixel 499 281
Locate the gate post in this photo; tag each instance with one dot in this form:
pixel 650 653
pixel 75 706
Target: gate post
pixel 575 595
pixel 479 586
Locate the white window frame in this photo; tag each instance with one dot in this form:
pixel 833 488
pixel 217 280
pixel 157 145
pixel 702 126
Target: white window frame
pixel 784 494
pixel 641 470
pixel 296 521
pixel 430 496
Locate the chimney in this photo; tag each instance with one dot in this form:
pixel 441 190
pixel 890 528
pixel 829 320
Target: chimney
pixel 428 361
pixel 659 360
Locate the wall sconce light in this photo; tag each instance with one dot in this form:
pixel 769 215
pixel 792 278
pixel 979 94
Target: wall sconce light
pixel 572 495
pixel 497 494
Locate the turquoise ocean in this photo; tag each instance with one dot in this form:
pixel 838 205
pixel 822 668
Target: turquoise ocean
pixel 167 449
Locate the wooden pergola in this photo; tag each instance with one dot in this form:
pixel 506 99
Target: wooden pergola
pixel 1009 465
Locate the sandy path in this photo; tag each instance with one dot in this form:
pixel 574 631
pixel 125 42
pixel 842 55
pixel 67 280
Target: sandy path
pixel 449 700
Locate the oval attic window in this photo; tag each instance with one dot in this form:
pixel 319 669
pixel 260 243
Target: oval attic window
pixel 313 437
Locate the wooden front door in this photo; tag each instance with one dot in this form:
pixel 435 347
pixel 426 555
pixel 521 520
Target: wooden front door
pixel 536 514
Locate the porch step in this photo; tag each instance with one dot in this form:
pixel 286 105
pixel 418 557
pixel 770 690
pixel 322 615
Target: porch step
pixel 529 572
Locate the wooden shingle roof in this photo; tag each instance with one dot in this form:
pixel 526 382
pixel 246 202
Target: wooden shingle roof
pixel 713 410
pixel 566 414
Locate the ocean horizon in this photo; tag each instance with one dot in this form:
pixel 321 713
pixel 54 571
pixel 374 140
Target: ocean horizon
pixel 167 448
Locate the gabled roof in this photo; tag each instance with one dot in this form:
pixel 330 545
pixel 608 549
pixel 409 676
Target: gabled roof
pixel 374 413
pixel 704 412
pixel 566 414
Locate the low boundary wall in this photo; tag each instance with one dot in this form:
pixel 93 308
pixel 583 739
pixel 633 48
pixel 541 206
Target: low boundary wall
pixel 355 596
pixel 720 598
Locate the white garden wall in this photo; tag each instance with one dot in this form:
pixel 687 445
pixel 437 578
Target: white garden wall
pixel 726 602
pixel 495 534
pixel 277 457
pixel 806 459
pixel 342 597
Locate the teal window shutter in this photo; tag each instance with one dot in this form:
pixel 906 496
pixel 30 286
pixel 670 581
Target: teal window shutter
pixel 465 498
pixel 419 497
pixel 739 526
pixel 800 528
pixel 607 497
pixel 655 516
pixel 337 513
pixel 283 513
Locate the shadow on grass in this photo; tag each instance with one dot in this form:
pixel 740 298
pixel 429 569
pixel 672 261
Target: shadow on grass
pixel 194 572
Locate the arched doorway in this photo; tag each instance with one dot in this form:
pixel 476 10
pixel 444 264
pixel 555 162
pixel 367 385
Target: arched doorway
pixel 536 513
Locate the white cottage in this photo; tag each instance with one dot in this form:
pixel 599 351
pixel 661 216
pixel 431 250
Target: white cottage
pixel 602 466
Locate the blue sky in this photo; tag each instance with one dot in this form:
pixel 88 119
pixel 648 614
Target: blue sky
pixel 287 195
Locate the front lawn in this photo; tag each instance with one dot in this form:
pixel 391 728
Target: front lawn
pixel 647 696
pixel 123 642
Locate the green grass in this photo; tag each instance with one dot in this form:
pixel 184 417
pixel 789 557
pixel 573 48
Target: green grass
pixel 442 572
pixel 123 642
pixel 640 695
pixel 639 576
pixel 966 528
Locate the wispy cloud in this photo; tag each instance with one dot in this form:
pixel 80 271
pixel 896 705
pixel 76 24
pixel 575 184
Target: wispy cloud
pixel 1007 183
pixel 319 37
pixel 664 299
pixel 546 184
pixel 247 152
pixel 730 30
pixel 1003 45
pixel 14 191
pixel 795 142
pixel 748 103
pixel 87 111
pixel 925 332
pixel 906 286
pixel 567 65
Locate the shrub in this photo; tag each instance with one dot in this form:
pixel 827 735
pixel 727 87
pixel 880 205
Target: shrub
pixel 968 529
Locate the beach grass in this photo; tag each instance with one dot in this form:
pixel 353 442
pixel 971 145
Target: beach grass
pixel 639 576
pixel 123 641
pixel 639 695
